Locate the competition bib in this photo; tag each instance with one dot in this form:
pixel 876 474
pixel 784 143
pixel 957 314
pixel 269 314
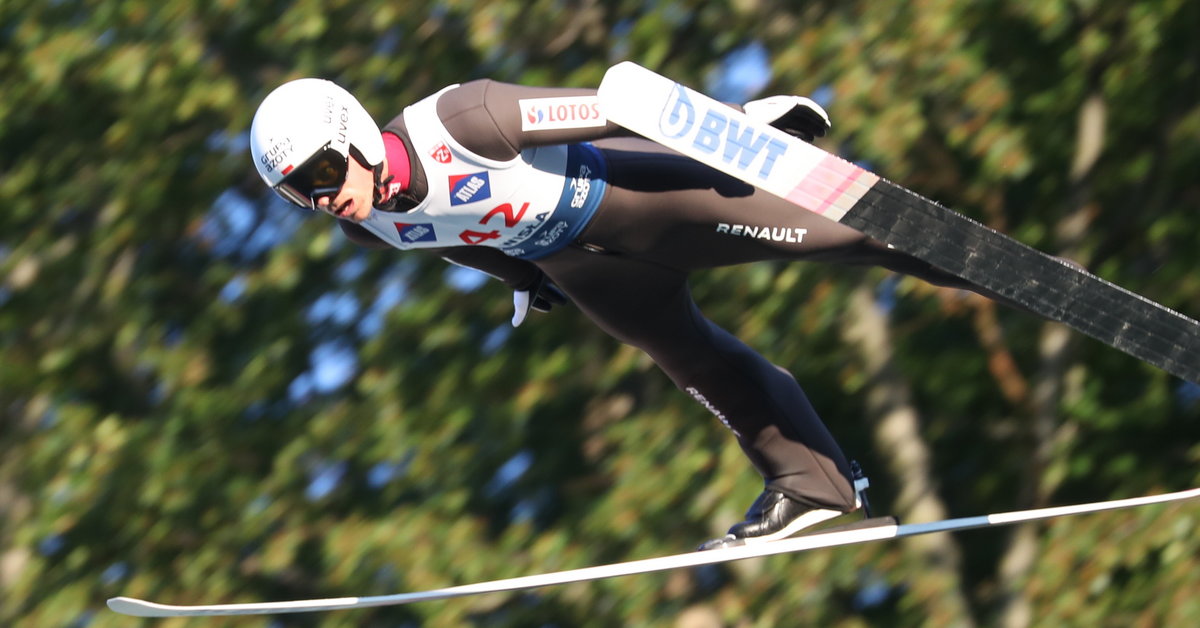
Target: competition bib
pixel 528 207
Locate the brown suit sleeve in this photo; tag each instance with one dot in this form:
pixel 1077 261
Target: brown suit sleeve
pixel 485 117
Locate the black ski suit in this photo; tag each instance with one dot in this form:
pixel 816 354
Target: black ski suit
pixel 663 216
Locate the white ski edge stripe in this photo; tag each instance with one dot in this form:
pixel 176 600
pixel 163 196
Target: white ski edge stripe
pixel 141 608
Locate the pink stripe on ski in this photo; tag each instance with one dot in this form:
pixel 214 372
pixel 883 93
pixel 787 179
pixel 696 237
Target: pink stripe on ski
pixel 827 189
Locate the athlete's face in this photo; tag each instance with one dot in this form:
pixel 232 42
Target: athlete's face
pixel 354 200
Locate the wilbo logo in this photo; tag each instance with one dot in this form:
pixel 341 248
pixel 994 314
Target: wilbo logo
pixel 468 188
pixel 714 132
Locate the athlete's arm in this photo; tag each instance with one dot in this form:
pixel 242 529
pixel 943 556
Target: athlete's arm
pixel 485 116
pixel 516 273
pixel 359 235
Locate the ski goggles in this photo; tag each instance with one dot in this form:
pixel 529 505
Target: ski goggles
pixel 320 176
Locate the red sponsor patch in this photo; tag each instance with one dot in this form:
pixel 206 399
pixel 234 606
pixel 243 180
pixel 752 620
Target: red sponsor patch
pixel 441 154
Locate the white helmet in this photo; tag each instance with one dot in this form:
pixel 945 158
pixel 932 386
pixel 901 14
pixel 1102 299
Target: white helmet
pixel 303 134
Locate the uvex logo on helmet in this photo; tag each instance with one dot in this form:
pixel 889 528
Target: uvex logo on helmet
pixel 338 124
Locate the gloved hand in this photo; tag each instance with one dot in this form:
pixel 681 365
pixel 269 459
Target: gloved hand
pixel 541 296
pixel 794 115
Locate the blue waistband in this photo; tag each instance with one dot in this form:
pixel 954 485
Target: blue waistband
pixel 583 189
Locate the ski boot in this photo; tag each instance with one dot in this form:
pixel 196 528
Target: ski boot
pixel 775 516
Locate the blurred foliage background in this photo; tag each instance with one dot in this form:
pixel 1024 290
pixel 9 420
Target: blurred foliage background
pixel 207 396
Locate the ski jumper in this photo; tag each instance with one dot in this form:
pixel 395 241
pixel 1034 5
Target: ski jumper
pixel 618 223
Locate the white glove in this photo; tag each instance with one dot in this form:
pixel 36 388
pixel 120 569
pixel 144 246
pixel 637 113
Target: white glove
pixel 541 296
pixel 795 115
pixel 521 302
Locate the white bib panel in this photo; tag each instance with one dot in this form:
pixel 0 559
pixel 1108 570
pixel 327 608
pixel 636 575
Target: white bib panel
pixel 528 207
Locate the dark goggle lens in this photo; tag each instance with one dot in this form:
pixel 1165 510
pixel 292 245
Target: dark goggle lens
pixel 321 176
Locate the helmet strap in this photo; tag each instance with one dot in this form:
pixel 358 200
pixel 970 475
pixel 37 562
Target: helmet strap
pixel 401 201
pixel 381 188
pixel 359 157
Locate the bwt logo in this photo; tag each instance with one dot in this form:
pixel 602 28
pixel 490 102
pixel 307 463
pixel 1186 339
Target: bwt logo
pixel 717 134
pixel 467 188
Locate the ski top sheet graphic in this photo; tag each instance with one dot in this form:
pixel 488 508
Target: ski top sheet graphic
pixel 142 608
pixel 728 140
pixel 755 152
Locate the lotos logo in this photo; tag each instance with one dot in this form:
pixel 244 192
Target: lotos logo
pixel 441 154
pixel 715 133
pixel 422 232
pixel 570 112
pixel 467 188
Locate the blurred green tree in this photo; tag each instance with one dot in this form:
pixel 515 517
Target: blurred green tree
pixel 208 396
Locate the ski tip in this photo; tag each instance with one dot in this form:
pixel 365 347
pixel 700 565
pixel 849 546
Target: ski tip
pixel 136 607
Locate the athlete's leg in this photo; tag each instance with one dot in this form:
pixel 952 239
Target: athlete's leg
pixel 649 306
